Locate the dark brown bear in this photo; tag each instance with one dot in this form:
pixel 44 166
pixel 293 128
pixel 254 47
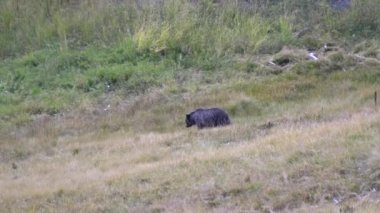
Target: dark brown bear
pixel 207 118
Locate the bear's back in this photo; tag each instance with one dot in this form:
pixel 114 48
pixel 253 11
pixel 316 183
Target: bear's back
pixel 210 117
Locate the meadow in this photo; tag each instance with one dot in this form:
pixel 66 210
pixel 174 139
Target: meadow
pixel 93 97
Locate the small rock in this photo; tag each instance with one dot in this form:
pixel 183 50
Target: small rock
pixel 336 201
pixel 107 108
pixel 313 57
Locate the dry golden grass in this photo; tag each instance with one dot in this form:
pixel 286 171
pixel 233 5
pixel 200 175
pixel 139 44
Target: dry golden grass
pixel 195 167
pixel 320 155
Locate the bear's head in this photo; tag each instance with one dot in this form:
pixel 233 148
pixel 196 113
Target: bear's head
pixel 189 120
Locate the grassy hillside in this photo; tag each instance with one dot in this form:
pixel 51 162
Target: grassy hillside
pixel 298 142
pixel 93 96
pixel 75 49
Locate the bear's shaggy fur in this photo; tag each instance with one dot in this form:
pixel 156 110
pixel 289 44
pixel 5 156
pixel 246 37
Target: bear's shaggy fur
pixel 207 118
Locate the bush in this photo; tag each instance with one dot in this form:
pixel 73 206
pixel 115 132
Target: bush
pixel 362 20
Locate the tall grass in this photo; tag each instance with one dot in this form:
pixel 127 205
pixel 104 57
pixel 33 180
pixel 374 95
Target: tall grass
pixel 74 49
pixel 361 21
pixel 182 26
pixel 32 25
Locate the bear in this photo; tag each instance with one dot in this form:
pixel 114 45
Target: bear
pixel 207 118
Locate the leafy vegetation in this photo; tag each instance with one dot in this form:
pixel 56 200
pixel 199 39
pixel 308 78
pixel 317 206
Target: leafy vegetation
pixel 72 48
pixel 76 49
pixel 96 92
